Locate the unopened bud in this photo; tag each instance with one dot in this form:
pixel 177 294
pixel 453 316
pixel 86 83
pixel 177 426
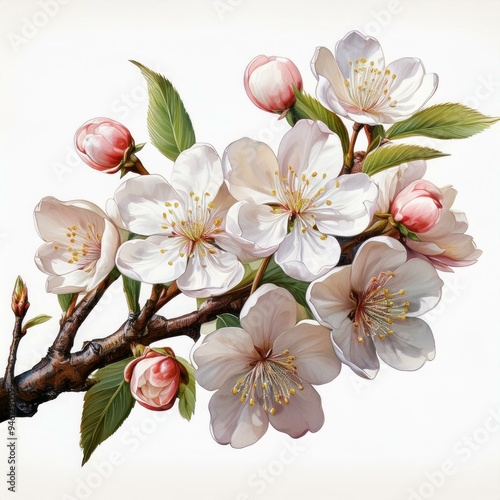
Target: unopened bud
pixel 20 302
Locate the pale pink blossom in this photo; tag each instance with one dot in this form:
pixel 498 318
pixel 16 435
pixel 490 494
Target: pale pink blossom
pixel 81 244
pixel 441 232
pixel 357 84
pixel 372 306
pixel 154 379
pixel 263 371
pixel 418 206
pixel 269 83
pixel 103 143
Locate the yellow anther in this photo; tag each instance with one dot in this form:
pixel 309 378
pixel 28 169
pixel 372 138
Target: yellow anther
pixel 182 254
pixel 303 229
pixel 164 227
pixel 162 250
pixel 168 204
pixel 286 400
pixel 170 263
pixel 217 222
pixel 381 336
pixel 402 291
pixel 251 402
pixel 291 392
pixel 213 251
pixel 235 391
pixel 286 352
pixel 328 202
pixel 164 215
pixel 273 192
pixel 208 194
pixel 356 324
pixel 322 237
pixel 176 205
pixel 390 332
pixel 272 411
pixel 314 174
pixel 56 247
pixel 361 340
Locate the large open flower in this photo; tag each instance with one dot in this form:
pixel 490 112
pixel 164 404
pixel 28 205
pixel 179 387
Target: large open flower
pixel 357 84
pixel 371 307
pixel 81 244
pixel 263 371
pixel 184 221
pixel 294 204
pixel 441 232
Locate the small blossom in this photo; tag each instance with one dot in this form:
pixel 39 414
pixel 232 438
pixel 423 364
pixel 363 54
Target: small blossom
pixel 269 83
pixel 154 379
pixel 103 144
pixel 184 222
pixel 356 83
pixel 294 204
pixel 81 244
pixel 372 306
pixel 439 229
pixel 418 206
pixel 263 371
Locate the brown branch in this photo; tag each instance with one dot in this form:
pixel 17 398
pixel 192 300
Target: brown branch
pixel 56 373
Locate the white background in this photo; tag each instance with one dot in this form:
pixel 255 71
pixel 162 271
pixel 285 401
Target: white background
pixel 434 433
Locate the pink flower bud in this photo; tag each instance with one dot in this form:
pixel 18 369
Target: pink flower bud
pixel 103 144
pixel 269 83
pixel 154 379
pixel 418 206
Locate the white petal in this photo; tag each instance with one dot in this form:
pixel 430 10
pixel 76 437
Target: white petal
pixel 53 217
pixel 327 97
pixel 356 46
pixel 233 422
pixel 421 283
pixel 302 414
pixel 351 205
pixel 326 70
pixel 144 261
pixel 361 357
pixel 141 203
pixel 310 147
pixel 306 255
pixel 74 282
pixel 258 225
pixel 210 273
pixel 268 312
pixel 409 347
pixel 249 167
pixel 379 254
pixel 315 358
pixel 197 170
pixel 222 355
pixel 329 297
pixel 409 73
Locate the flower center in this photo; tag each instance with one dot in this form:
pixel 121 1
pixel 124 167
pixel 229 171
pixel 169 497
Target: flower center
pixel 369 86
pixel 377 308
pixel 195 222
pixel 84 247
pixel 272 380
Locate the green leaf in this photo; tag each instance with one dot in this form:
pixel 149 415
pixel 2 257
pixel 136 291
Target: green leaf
pixel 392 155
pixel 187 392
pixel 442 121
pixel 37 320
pixel 169 125
pixel 274 274
pixel 308 107
pixel 406 232
pixel 132 289
pixel 227 319
pixel 106 406
pixel 65 300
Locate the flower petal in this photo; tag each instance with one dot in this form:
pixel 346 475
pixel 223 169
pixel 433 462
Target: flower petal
pixel 259 229
pixel 233 422
pixel 310 147
pixel 315 358
pixel 409 347
pixel 421 284
pixel 210 271
pixel 361 357
pixel 379 254
pixel 223 353
pixel 154 260
pixel 197 170
pixel 329 297
pixel 303 413
pixel 269 311
pixel 141 203
pixel 307 255
pixel 249 168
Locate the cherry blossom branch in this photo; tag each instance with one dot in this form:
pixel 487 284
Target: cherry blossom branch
pixel 57 372
pixel 350 154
